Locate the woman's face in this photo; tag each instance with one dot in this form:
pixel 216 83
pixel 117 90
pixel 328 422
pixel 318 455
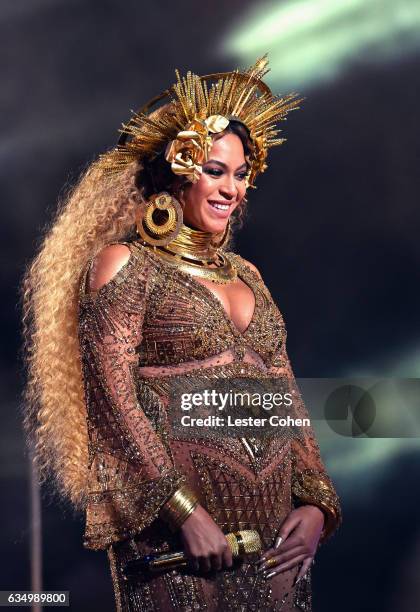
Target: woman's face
pixel 208 203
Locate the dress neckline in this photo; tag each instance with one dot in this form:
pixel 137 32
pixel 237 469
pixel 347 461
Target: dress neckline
pixel 242 274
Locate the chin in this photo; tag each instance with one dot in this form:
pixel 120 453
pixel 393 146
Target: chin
pixel 214 226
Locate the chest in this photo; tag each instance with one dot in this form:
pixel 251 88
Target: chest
pixel 190 318
pixel 237 300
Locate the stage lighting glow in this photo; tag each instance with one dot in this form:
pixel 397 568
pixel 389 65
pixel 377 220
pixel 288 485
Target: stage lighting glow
pixel 353 457
pixel 314 40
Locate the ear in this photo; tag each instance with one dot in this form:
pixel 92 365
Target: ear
pixel 178 192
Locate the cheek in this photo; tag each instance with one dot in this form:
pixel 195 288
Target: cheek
pixel 241 190
pixel 199 191
pixel 205 186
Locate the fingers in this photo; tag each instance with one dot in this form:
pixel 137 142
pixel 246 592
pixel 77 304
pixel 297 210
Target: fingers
pixel 227 557
pixel 289 524
pixel 205 564
pixel 305 566
pixel 287 546
pixel 285 566
pixel 214 560
pixel 283 539
pixel 281 558
pixel 194 565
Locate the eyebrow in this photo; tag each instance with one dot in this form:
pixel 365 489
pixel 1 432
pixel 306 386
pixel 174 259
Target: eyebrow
pixel 215 161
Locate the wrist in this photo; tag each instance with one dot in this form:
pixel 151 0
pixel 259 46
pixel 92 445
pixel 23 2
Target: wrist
pixel 179 507
pixel 316 510
pixel 315 489
pixel 310 507
pixel 191 519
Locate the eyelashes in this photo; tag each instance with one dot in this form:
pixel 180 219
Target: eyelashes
pixel 213 172
pixel 217 173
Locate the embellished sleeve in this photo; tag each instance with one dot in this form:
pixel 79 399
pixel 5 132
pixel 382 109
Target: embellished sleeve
pixel 310 481
pixel 131 473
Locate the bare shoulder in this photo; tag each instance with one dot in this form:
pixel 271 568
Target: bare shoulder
pixel 251 265
pixel 106 264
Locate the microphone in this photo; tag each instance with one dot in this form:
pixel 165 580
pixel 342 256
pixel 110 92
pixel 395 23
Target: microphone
pixel 241 543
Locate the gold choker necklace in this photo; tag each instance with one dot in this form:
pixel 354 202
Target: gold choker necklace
pixel 193 251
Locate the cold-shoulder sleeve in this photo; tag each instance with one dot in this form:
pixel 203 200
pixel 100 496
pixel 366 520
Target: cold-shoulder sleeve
pixel 131 473
pixel 310 482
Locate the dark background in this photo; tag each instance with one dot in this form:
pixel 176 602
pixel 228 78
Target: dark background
pixel 333 228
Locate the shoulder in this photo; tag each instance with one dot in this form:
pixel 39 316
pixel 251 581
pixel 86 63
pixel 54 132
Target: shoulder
pixel 251 265
pixel 106 264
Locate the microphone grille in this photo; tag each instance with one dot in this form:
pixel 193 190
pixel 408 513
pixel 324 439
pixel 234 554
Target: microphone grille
pixel 244 542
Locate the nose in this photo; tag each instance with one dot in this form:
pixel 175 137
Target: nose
pixel 228 188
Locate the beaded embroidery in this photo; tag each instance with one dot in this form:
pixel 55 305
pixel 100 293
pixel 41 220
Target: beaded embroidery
pixel 151 315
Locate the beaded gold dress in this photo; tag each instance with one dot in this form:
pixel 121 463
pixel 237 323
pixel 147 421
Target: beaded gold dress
pixel 150 322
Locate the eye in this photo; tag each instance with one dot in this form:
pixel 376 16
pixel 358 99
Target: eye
pixel 213 171
pixel 242 175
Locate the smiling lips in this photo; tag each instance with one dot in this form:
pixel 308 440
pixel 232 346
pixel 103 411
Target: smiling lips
pixel 223 209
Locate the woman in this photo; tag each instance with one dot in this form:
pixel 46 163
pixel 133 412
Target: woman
pixel 133 288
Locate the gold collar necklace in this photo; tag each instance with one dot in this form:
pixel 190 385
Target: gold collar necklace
pixel 193 251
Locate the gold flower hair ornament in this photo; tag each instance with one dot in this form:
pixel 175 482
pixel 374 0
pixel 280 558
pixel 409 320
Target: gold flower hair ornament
pixel 196 110
pixel 191 147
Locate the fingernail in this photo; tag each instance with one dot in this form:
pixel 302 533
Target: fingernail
pixel 262 559
pixel 262 568
pixel 278 542
pixel 298 580
pixel 270 575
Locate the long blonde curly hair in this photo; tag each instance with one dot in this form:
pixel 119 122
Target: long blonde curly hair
pixel 99 210
pixel 94 213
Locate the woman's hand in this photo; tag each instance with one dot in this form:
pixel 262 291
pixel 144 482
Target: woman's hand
pixel 296 542
pixel 204 542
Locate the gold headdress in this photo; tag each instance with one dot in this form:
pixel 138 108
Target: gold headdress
pixel 196 111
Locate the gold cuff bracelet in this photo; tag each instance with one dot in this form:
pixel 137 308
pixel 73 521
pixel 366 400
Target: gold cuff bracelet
pixel 179 507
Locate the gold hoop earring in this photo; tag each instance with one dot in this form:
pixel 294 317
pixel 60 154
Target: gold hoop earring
pixel 159 222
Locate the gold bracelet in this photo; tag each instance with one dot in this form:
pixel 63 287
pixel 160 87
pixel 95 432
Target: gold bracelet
pixel 317 490
pixel 179 507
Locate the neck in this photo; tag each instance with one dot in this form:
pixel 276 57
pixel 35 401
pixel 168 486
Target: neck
pixel 194 244
pixel 199 253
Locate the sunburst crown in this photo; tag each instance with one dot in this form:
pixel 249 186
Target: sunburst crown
pixel 196 108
